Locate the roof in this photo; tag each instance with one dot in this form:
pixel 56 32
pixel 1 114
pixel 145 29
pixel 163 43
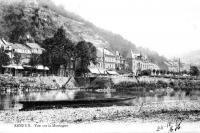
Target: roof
pixel 100 52
pixel 19 46
pixel 13 66
pixel 132 54
pixel 117 53
pixel 3 43
pixel 94 70
pixel 34 46
pixel 135 55
pixel 102 71
pixel 129 55
pixel 41 67
pixel 112 72
pixel 171 63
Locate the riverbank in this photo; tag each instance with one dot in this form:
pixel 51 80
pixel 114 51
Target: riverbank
pixel 116 82
pixel 188 111
pixel 35 83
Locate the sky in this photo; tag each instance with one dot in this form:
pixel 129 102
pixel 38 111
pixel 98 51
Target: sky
pixel 170 27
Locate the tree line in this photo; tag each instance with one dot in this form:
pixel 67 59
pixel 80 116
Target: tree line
pixel 193 71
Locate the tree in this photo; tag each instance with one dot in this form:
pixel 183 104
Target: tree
pixel 164 72
pixel 36 26
pixel 59 51
pixel 157 72
pixel 44 59
pixel 194 71
pixel 184 72
pixel 161 72
pixel 85 53
pixel 154 71
pixel 146 72
pixel 4 58
pixel 17 22
pixel 168 72
pixel 17 58
pixel 34 60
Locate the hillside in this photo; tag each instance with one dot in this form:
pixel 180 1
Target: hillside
pixel 42 19
pixel 191 58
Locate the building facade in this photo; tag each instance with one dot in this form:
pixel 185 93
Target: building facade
pixel 25 50
pixel 120 61
pixel 138 63
pixel 174 65
pixel 109 62
pixel 106 59
pixel 35 48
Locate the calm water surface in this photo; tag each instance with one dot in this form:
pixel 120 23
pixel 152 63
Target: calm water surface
pixel 8 101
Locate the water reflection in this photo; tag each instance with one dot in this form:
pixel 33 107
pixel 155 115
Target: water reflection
pixel 9 100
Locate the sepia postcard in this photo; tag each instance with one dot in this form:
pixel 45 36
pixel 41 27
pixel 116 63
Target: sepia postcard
pixel 100 66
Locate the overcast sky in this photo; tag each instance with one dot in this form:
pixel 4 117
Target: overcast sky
pixel 170 27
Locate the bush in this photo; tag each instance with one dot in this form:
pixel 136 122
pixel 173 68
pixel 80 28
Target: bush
pixel 161 84
pixel 146 72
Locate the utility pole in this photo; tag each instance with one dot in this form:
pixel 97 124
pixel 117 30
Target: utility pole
pixel 103 60
pixel 179 63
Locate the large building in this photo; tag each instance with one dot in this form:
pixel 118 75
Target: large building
pixel 35 48
pixel 25 50
pixel 108 61
pixel 175 65
pixel 20 67
pixel 120 61
pixel 138 62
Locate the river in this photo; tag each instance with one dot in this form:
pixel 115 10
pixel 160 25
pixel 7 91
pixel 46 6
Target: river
pixel 8 100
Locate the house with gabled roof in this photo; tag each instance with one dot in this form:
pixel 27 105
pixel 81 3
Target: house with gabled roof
pixel 35 48
pixel 20 48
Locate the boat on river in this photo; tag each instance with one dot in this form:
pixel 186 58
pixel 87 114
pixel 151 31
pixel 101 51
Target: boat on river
pixel 72 103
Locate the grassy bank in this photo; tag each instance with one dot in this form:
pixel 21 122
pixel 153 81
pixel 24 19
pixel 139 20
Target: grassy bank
pixel 53 82
pixel 33 83
pixel 160 84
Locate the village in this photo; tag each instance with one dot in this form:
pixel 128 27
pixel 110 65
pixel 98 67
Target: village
pixel 108 63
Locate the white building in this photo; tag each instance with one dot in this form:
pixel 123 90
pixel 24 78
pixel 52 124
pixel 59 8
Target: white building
pixel 140 62
pixel 106 62
pixel 174 65
pixel 106 59
pixel 35 48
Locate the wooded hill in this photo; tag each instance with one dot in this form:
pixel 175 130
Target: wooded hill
pixel 38 20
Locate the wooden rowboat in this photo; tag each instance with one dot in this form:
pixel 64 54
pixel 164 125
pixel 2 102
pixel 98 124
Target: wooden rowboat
pixel 72 103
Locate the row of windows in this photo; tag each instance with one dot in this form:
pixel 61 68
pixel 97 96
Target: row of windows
pixel 107 65
pixel 143 66
pixel 110 66
pixel 110 59
pixel 22 51
pixel 36 51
